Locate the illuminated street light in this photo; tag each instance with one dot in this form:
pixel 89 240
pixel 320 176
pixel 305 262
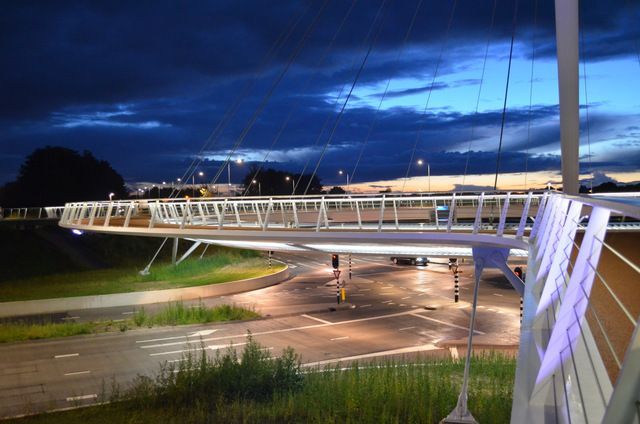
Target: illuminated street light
pixel 239 162
pixel 111 196
pixel 420 162
pixel 341 172
pixel 193 183
pixel 293 185
pixel 259 186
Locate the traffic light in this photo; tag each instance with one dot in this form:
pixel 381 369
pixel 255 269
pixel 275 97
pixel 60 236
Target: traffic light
pixel 335 261
pixel 518 271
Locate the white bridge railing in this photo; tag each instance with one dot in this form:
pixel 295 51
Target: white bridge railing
pixel 503 213
pixel 49 212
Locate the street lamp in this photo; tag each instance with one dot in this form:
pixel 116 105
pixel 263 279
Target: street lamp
pixel 111 196
pixel 259 186
pixel 420 162
pixel 341 172
pixel 239 162
pixel 193 183
pixel 293 187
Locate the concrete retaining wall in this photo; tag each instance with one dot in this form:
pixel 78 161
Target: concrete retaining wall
pixel 43 306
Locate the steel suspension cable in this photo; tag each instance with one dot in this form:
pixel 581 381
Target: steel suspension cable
pixel 346 100
pixel 386 90
pixel 271 90
pixel 304 90
pixel 227 117
pixel 506 91
pixel 475 115
pixel 213 138
pixel 533 55
pixel 331 112
pixel 426 106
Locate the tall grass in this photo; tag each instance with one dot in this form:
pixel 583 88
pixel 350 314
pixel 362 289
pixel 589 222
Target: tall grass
pixel 255 388
pixel 175 313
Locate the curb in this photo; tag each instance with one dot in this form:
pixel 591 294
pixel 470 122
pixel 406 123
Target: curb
pixel 44 306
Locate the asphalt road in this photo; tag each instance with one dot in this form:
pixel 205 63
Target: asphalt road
pixel 390 310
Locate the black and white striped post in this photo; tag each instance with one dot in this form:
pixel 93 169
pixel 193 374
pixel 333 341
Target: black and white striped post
pixel 270 253
pixel 349 266
pixel 521 310
pixel 453 266
pixel 457 285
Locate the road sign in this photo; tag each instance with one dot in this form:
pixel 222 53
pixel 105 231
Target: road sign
pixel 336 273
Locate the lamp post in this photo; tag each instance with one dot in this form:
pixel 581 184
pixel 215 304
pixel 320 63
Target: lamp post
pixel 259 186
pixel 420 162
pixel 341 172
pixel 111 196
pixel 193 181
pixel 239 162
pixel 293 186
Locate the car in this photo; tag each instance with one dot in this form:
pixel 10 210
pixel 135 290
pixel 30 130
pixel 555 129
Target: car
pixel 409 260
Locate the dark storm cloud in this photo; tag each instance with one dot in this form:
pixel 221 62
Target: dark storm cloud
pixel 143 84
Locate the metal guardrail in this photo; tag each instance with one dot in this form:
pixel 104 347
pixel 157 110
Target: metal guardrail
pixel 504 213
pixel 52 212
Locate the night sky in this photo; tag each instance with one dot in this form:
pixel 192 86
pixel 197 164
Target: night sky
pixel 143 85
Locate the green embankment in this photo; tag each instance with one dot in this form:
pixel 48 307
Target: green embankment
pixel 255 388
pixel 50 262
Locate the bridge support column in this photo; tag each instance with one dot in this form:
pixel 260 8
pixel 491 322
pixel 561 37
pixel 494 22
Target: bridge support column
pixel 461 414
pixel 174 251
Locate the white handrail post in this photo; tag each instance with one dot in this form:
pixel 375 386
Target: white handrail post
pixel 503 215
pixel 451 212
pixel 477 224
pixel 381 218
pixel 524 216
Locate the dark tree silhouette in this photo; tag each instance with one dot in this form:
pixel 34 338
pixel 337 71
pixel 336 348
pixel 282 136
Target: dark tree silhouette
pixel 337 190
pixel 271 182
pixel 52 176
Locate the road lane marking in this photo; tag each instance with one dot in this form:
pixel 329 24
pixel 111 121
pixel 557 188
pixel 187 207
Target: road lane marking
pixel 77 373
pixel 339 338
pixel 203 333
pixel 129 313
pixel 448 324
pixel 83 397
pixel 364 306
pixel 405 328
pixel 421 348
pixel 67 355
pixel 68 318
pixel 498 294
pixel 211 347
pixel 387 301
pixel 286 330
pixel 316 319
pixel 364 290
pixel 408 297
pixel 176 337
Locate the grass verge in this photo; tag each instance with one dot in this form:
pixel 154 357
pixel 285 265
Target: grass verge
pixel 222 267
pixel 256 388
pixel 175 313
